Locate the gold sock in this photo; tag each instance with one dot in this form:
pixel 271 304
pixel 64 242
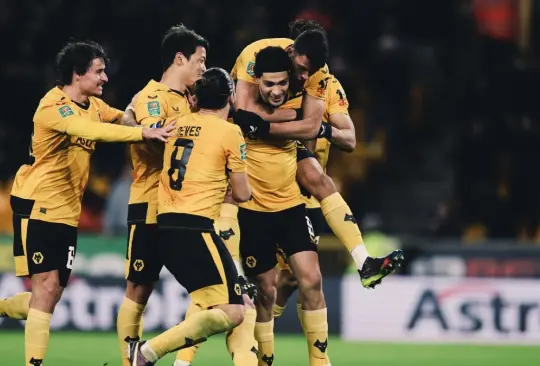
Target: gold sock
pixel 277 310
pixel 316 331
pixel 264 334
pixel 188 354
pixel 194 330
pixel 16 307
pixel 339 217
pixel 241 341
pixel 228 229
pixel 36 336
pixel 129 325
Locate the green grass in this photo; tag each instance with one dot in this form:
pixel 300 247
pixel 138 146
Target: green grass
pixel 96 349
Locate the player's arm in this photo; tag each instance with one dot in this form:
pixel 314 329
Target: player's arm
pixel 305 129
pixel 343 134
pixel 130 118
pixel 247 94
pixel 74 125
pixel 235 151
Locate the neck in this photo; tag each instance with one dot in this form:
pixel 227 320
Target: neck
pixel 75 94
pixel 222 113
pixel 173 81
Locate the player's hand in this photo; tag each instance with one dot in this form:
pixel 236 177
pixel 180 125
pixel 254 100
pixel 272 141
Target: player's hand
pixel 251 124
pixel 159 133
pixel 325 131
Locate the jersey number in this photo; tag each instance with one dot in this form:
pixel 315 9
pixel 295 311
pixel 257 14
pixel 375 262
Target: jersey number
pixel 180 165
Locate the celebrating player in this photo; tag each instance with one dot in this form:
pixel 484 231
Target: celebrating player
pixel 183 57
pixel 47 193
pixel 205 152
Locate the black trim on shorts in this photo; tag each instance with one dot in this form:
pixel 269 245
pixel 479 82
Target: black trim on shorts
pixel 137 213
pixel 185 222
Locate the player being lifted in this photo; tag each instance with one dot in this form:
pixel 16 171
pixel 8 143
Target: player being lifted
pixel 205 152
pixel 183 57
pixel 47 193
pixel 309 61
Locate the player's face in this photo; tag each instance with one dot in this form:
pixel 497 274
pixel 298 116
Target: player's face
pixel 91 83
pixel 273 87
pixel 301 66
pixel 195 66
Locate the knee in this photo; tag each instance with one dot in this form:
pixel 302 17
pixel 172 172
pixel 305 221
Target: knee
pixel 266 291
pixel 139 293
pixel 317 183
pixel 46 290
pixel 310 281
pixel 236 314
pixel 287 281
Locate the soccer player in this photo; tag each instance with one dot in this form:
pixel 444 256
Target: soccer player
pixel 204 154
pixel 183 57
pixel 309 53
pixel 47 192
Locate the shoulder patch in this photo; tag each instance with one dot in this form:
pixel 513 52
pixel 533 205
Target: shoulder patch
pixel 251 68
pixel 243 152
pixel 154 109
pixel 65 111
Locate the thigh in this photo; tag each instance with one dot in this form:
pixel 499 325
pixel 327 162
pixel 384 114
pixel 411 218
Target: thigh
pixel 258 241
pixel 143 261
pixel 296 231
pixel 49 247
pixel 202 264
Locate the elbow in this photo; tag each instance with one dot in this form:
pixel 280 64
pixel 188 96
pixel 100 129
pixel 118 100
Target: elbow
pixel 241 196
pixel 350 146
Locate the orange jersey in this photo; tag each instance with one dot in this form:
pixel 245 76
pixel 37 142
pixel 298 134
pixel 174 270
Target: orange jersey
pixel 155 103
pixel 195 165
pixel 62 142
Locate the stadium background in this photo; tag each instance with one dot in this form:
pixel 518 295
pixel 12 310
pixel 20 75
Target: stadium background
pixel 443 97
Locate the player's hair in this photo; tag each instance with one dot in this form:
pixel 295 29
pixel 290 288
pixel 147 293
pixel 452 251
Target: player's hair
pixel 180 39
pixel 213 89
pixel 314 45
pixel 298 26
pixel 76 57
pixel 272 59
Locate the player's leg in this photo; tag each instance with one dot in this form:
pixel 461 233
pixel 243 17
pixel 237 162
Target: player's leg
pixel 342 222
pixel 143 265
pixel 258 253
pixel 50 251
pixel 241 342
pixel 286 285
pixel 202 264
pixel 299 244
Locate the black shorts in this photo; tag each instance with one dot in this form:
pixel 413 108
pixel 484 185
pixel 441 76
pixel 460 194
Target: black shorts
pixel 302 152
pixel 41 246
pixel 317 220
pixel 198 260
pixel 262 233
pixel 143 261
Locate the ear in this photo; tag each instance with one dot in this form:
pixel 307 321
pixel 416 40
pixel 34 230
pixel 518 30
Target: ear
pixel 179 58
pixel 290 51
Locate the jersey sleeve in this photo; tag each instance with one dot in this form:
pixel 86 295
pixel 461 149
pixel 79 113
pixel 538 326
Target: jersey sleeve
pixel 109 114
pixel 150 109
pixel 336 99
pixel 63 119
pixel 235 150
pixel 244 68
pixel 317 83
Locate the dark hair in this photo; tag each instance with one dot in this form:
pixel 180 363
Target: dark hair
pixel 301 25
pixel 213 89
pixel 314 45
pixel 77 56
pixel 272 59
pixel 180 39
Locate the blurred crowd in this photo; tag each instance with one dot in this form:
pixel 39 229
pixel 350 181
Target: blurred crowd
pixel 442 94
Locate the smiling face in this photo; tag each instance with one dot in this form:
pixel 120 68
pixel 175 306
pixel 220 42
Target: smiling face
pixel 194 66
pixel 91 83
pixel 273 87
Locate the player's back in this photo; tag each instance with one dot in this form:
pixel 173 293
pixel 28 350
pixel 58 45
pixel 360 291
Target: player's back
pixel 155 102
pixel 195 165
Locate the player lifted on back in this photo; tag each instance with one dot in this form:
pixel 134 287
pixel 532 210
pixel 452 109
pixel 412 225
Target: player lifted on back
pixel 309 62
pixel 183 57
pixel 205 152
pixel 47 193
